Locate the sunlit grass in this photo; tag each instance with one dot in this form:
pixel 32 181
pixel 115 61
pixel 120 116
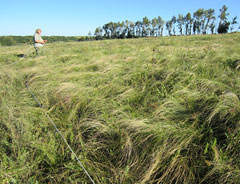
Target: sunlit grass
pixel 152 110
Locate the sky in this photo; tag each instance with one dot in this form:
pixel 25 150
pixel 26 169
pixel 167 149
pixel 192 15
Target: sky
pixel 78 17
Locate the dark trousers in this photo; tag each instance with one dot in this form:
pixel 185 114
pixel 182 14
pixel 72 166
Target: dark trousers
pixel 37 50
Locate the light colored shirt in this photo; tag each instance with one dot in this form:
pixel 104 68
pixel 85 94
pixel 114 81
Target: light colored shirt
pixel 37 37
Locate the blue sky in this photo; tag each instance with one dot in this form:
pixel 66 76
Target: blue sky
pixel 78 17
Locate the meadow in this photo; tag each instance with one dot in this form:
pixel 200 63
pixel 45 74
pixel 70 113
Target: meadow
pixel 150 110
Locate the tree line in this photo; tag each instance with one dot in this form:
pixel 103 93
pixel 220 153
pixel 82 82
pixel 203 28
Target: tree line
pixel 14 40
pixel 200 22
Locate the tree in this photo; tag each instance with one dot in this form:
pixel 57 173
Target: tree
pixel 113 28
pixel 106 30
pixel 199 20
pixel 154 24
pixel 160 22
pixel 234 21
pixel 174 20
pixel 98 33
pixel 145 27
pixel 118 30
pixel 209 14
pixel 169 27
pixel 120 27
pixel 223 13
pixel 212 27
pixel 138 26
pixel 89 35
pixel 123 30
pixel 180 21
pixel 224 24
pixel 188 25
pixel 223 27
pixel 132 29
pixel 127 25
pixel 194 27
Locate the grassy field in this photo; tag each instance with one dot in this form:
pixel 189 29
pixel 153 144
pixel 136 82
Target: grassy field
pixel 154 110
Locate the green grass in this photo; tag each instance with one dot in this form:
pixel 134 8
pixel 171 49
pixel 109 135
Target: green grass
pixel 153 110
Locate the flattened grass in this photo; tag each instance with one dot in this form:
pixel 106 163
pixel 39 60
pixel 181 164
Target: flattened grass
pixel 154 110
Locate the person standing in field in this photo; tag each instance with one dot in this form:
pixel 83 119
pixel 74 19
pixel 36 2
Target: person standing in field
pixel 38 41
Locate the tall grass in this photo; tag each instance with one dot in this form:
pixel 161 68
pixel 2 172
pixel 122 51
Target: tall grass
pixel 154 110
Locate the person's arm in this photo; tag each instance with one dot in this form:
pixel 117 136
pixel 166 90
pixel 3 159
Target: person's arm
pixel 42 42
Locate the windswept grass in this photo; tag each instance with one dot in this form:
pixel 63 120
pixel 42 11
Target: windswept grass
pixel 154 110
